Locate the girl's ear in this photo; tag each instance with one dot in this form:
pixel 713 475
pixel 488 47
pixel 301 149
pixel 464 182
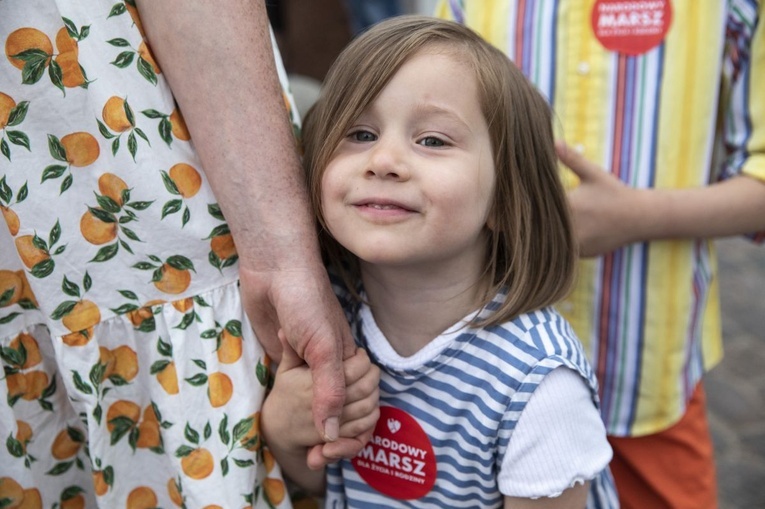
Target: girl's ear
pixel 491 219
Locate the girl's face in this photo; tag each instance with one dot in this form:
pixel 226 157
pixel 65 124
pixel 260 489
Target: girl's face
pixel 411 184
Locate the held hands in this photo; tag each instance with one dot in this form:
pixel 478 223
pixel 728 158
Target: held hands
pixel 286 416
pixel 301 303
pixel 606 213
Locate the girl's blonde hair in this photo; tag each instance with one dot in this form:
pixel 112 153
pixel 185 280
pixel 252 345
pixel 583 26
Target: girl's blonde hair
pixel 531 250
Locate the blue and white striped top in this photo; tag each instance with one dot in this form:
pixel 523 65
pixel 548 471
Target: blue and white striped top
pixel 467 399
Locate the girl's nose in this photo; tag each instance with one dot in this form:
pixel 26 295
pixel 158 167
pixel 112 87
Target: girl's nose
pixel 387 160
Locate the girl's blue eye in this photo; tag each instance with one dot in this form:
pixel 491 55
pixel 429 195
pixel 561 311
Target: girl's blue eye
pixel 363 136
pixel 431 141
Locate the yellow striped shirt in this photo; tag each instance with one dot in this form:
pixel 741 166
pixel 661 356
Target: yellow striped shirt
pixel 648 314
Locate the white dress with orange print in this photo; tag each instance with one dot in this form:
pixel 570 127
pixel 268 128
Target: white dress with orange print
pixel 131 375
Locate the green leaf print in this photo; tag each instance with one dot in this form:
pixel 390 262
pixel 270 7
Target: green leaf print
pixel 56 75
pixel 106 253
pixel 6 296
pixel 107 204
pixel 191 434
pixel 32 71
pixel 22 194
pixel 132 145
pixel 183 451
pixel 119 42
pixel 139 205
pixel 125 308
pixel 117 9
pixel 18 138
pixel 197 380
pixel 71 28
pixel 219 230
pixel 80 384
pixel 180 262
pixel 56 149
pixel 60 468
pixel 9 318
pixel 158 366
pixel 43 269
pixel 122 425
pixel 53 171
pixel 147 70
pixel 223 433
pixel 15 448
pixel 70 288
pixel 234 327
pixel 6 193
pixel 18 114
pixel 63 309
pixel 66 184
pixel 242 427
pixel 128 113
pixel 55 234
pixel 128 294
pixel 165 129
pixel 105 132
pixel 214 210
pixel 154 114
pixel 164 348
pixel 171 207
pixel 186 322
pixel 124 59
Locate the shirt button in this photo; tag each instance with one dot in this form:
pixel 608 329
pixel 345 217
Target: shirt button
pixel 583 68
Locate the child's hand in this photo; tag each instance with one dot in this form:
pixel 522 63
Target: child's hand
pixel 287 421
pixel 360 412
pixel 286 418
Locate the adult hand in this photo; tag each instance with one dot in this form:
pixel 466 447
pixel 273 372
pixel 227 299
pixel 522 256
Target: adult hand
pixel 360 413
pixel 300 302
pixel 606 212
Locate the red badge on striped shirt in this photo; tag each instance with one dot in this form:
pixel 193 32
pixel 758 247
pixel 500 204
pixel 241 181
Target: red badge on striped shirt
pixel 632 27
pixel 398 461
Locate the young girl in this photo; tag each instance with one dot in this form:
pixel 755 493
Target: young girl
pixel 431 162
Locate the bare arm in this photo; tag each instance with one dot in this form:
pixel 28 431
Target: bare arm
pixel 608 214
pixel 218 60
pixel 572 498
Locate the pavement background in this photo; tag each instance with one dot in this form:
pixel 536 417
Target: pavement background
pixel 736 387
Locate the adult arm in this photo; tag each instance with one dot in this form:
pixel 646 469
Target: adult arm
pixel 609 214
pixel 218 59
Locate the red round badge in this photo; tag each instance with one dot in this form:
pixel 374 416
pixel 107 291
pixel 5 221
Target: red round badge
pixel 398 461
pixel 631 27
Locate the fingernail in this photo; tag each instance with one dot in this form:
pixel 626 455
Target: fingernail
pixel 331 429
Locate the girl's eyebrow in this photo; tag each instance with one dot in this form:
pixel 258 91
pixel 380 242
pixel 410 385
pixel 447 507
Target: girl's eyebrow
pixel 435 110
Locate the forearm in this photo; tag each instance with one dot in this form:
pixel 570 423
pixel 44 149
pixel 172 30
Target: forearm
pixel 733 207
pixel 218 59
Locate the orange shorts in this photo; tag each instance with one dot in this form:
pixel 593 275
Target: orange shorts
pixel 672 469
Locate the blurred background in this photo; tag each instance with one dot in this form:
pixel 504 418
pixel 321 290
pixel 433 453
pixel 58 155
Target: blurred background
pixel 736 388
pixel 311 33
